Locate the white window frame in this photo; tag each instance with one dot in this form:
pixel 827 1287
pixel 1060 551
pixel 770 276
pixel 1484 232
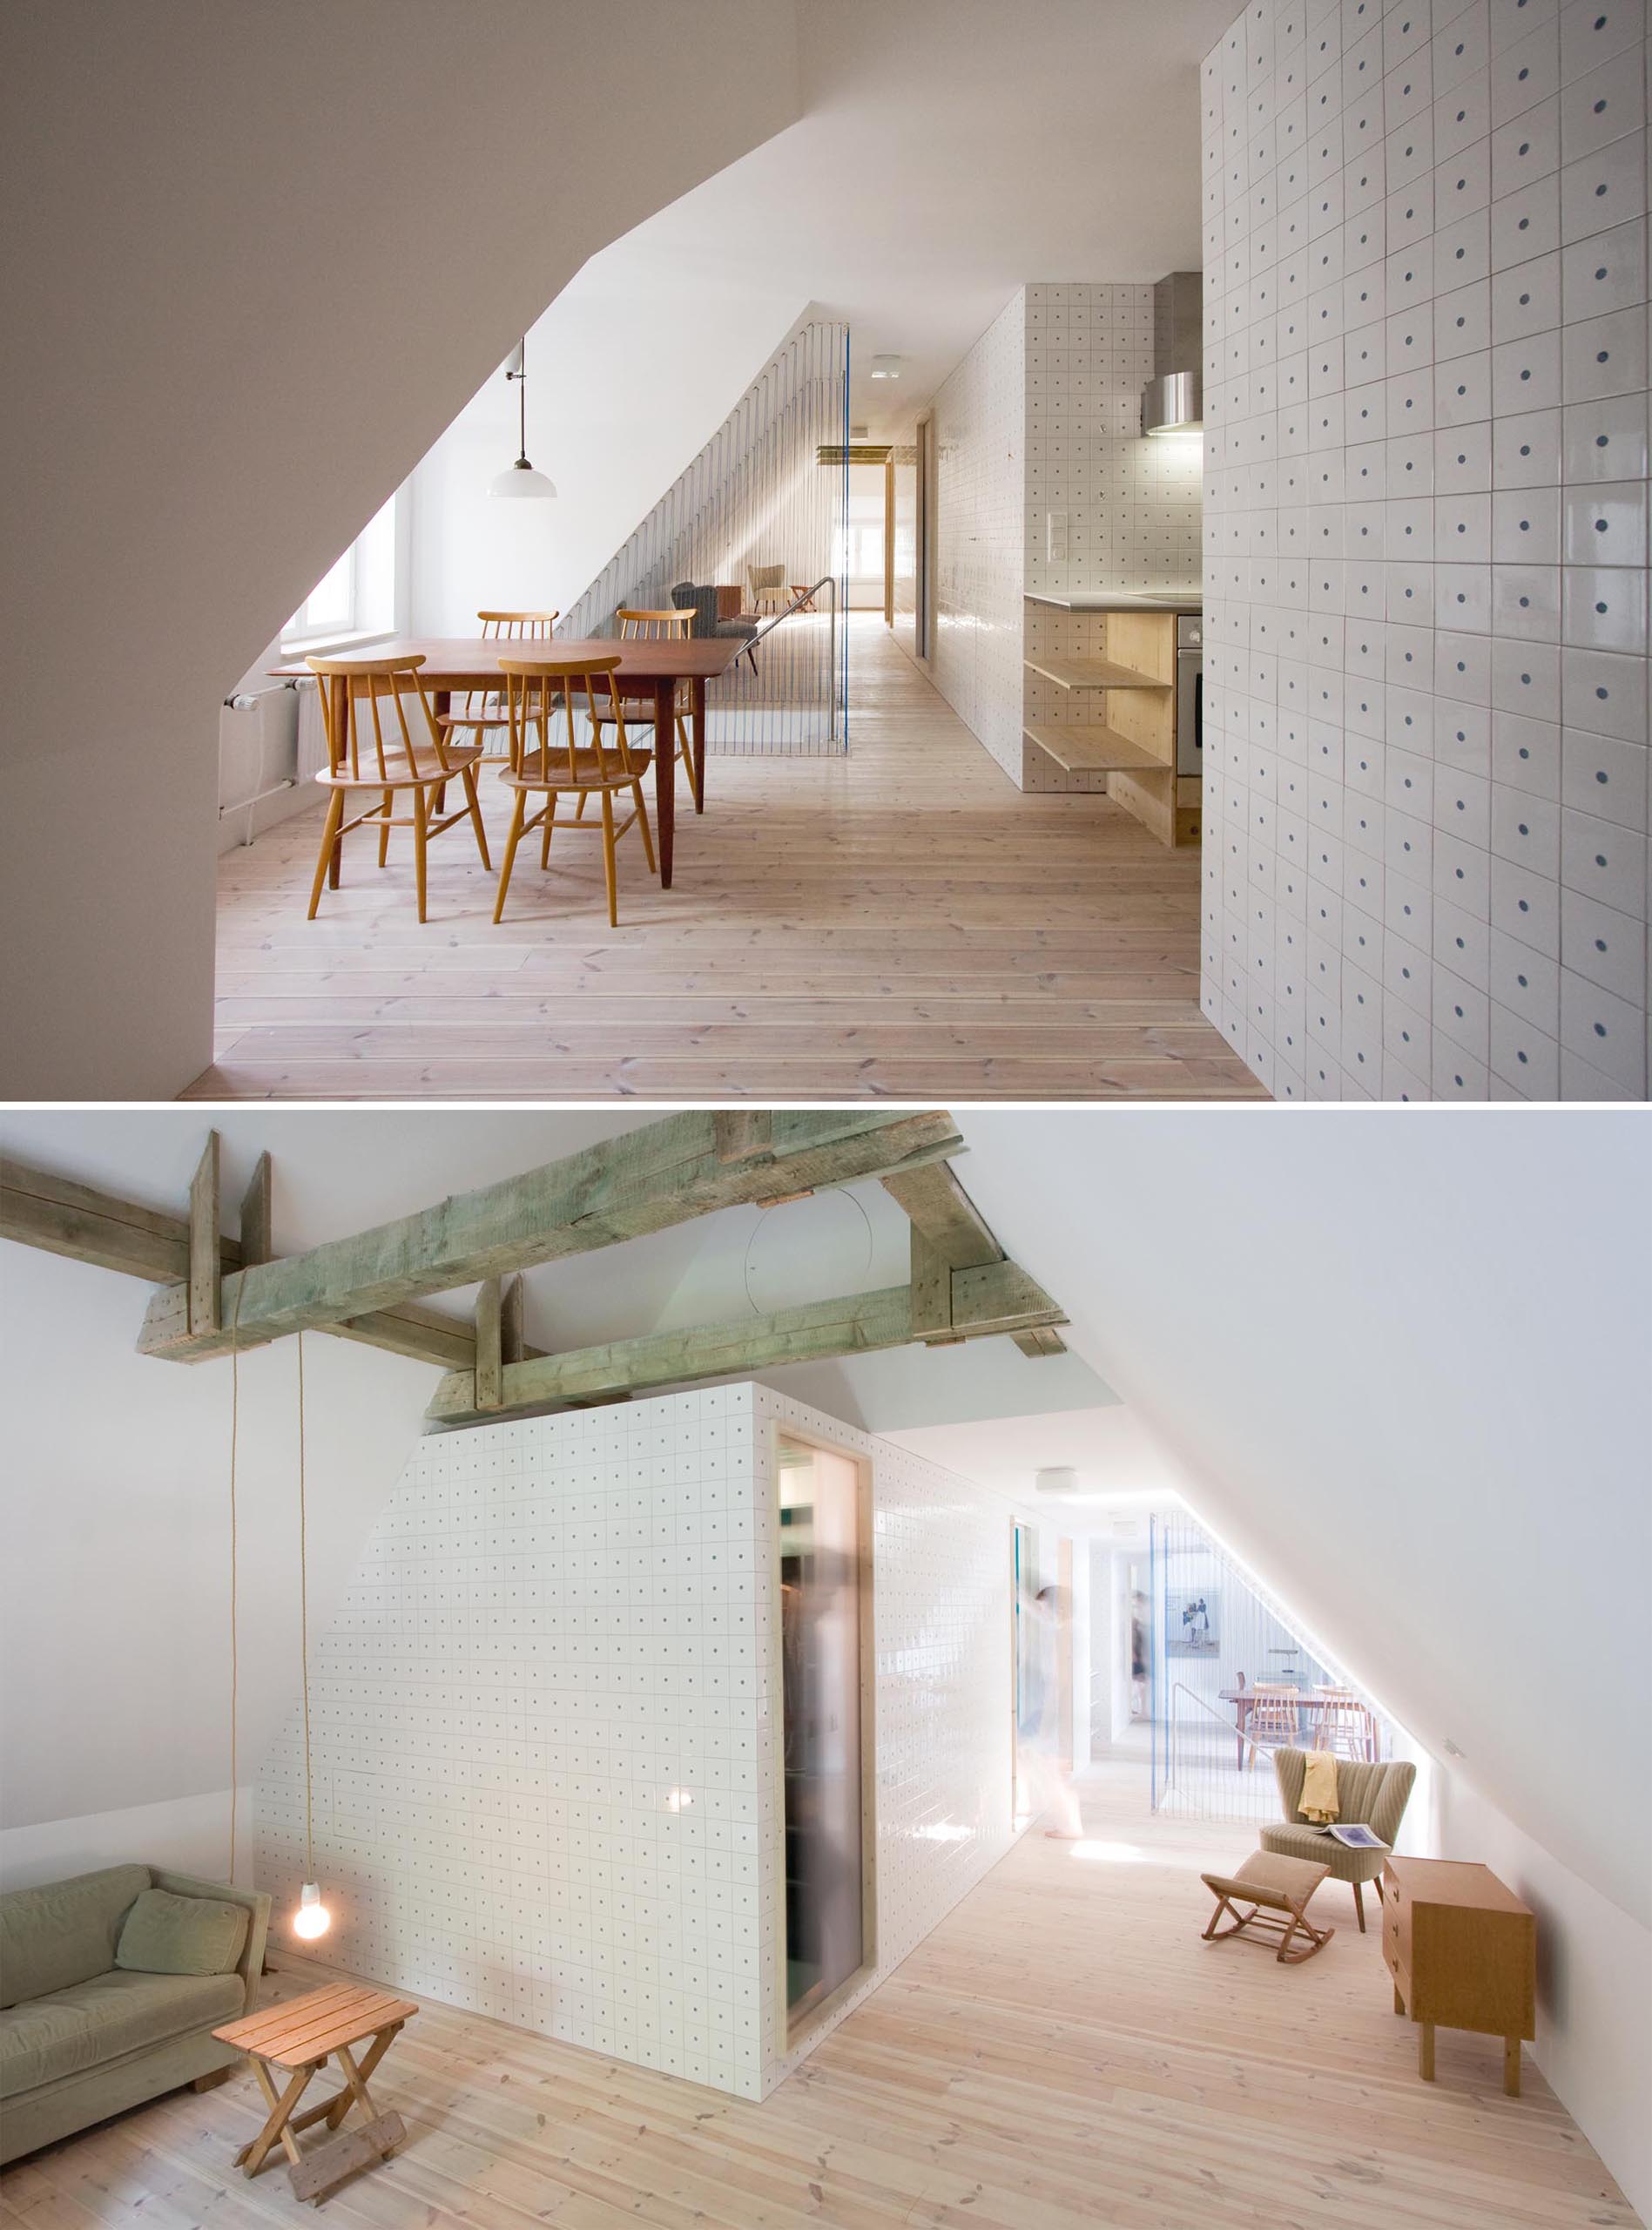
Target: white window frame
pixel 296 641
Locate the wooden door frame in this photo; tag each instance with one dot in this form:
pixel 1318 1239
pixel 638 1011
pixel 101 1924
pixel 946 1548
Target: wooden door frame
pixel 889 540
pixel 794 2028
pixel 1064 1649
pixel 927 525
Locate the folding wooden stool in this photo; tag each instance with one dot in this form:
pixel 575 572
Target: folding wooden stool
pixel 297 2036
pixel 1271 1884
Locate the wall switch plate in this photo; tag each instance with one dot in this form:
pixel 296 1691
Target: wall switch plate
pixel 1055 535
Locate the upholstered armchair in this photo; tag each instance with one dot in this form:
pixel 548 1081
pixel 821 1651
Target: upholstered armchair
pixel 768 587
pixel 1374 1794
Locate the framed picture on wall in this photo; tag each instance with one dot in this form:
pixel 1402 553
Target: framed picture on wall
pixel 1192 1623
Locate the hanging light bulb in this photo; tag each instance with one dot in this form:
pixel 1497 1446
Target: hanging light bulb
pixel 311 1919
pixel 521 479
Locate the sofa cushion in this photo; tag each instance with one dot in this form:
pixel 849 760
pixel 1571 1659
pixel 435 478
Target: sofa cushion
pixel 1345 1863
pixel 64 1932
pixel 169 1934
pixel 95 2021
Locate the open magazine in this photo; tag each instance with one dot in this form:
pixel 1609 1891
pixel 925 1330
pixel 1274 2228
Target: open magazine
pixel 1354 1833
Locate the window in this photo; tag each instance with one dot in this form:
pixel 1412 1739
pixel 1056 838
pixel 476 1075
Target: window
pixel 356 596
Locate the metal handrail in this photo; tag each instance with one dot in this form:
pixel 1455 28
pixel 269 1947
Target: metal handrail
pixel 803 597
pixel 1229 1726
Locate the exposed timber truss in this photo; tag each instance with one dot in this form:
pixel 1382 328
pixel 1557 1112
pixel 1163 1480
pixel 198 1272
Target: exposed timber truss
pixel 214 1293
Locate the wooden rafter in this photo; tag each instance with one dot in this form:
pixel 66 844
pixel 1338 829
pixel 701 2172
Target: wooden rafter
pixel 949 1234
pixel 996 1297
pixel 39 1208
pixel 215 1291
pixel 643 1180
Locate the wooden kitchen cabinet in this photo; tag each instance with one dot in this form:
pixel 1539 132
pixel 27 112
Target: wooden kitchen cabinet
pixel 1462 1950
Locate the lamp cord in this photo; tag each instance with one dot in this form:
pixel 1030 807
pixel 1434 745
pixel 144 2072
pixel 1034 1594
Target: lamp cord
pixel 234 1652
pixel 304 1638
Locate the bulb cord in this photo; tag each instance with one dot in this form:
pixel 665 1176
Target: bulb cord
pixel 304 1638
pixel 234 1562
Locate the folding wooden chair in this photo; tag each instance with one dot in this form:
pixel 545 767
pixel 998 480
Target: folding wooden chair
pixel 1272 1885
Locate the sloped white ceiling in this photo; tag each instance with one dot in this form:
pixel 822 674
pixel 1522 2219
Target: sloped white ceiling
pixel 1405 1360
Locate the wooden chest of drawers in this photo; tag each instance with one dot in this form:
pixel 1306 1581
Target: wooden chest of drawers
pixel 1463 1949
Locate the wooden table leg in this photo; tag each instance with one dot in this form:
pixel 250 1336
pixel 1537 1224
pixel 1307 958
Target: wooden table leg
pixel 356 2077
pixel 1512 2067
pixel 1400 2002
pixel 665 774
pixel 251 2157
pixel 1425 2051
pixel 698 689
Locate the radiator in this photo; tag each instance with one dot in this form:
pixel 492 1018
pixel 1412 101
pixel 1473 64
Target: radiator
pixel 312 743
pixel 257 748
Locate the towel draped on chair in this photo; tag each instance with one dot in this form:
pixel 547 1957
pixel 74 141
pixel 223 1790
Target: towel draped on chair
pixel 1318 1801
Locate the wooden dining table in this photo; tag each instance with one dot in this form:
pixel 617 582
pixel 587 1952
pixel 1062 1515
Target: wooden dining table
pixel 648 669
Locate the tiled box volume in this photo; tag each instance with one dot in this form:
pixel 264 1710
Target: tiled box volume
pixel 543 1727
pixel 1425 817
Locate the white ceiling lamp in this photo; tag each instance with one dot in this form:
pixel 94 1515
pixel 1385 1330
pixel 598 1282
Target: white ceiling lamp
pixel 521 479
pixel 1055 1479
pixel 885 367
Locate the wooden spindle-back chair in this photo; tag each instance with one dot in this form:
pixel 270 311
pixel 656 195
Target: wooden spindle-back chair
pixel 1273 1716
pixel 366 752
pixel 1342 1724
pixel 558 744
pixel 672 626
pixel 483 711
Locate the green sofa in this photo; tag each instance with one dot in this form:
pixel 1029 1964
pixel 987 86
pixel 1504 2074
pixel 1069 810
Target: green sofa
pixel 85 2031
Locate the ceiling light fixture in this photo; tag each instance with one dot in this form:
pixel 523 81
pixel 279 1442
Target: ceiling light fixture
pixel 521 479
pixel 885 367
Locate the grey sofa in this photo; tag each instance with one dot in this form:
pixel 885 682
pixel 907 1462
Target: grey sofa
pixel 1375 1794
pixel 82 2036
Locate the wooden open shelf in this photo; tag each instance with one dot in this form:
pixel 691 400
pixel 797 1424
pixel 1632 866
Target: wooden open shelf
pixel 1090 673
pixel 1087 749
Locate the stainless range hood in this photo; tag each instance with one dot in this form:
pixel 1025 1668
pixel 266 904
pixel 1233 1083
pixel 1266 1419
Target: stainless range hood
pixel 1173 400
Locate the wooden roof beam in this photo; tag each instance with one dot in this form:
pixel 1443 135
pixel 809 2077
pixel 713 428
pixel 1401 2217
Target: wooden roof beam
pixel 38 1208
pixel 645 1180
pixel 991 1298
pixel 949 1234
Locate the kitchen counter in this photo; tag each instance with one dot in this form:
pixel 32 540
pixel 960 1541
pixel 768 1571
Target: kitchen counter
pixel 1119 599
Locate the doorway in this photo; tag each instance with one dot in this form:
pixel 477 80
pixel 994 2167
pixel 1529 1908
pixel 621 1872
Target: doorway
pixel 827 1662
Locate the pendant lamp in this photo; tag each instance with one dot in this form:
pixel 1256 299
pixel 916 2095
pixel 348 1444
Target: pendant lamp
pixel 521 479
pixel 311 1919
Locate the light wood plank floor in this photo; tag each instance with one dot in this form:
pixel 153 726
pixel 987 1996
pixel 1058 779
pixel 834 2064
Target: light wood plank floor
pixel 1062 2052
pixel 902 923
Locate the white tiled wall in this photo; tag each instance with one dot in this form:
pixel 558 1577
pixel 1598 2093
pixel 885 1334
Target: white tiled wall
pixel 553 1626
pixel 1130 505
pixel 980 474
pixel 1425 534
pixel 557 1629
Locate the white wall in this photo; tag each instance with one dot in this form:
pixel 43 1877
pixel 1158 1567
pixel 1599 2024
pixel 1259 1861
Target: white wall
pixel 1594 1984
pixel 1404 1364
pixel 611 418
pixel 114 1587
pixel 1425 586
pixel 981 435
pixel 188 457
pixel 555 1624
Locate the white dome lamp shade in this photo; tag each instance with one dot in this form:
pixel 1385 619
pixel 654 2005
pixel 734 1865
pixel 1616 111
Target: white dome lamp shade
pixel 521 478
